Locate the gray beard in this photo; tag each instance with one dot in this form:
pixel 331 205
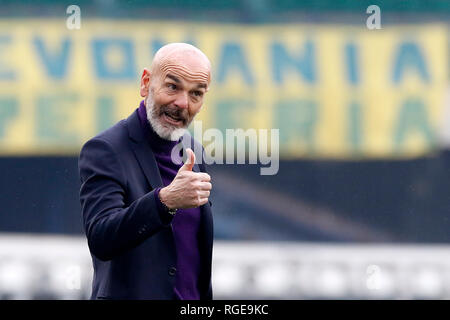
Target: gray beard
pixel 164 131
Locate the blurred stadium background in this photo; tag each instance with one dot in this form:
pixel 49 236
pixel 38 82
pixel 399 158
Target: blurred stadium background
pixel 360 206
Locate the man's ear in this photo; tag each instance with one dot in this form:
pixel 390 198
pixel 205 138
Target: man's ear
pixel 145 82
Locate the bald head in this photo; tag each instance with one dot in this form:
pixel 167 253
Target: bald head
pixel 181 58
pixel 174 88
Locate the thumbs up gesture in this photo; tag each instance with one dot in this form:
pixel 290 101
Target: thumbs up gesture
pixel 188 189
pixel 190 161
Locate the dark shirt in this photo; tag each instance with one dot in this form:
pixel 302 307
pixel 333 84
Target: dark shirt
pixel 185 223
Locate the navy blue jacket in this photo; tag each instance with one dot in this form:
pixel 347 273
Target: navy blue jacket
pixel 131 244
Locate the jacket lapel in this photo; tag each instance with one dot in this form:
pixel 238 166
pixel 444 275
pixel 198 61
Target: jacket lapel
pixel 143 151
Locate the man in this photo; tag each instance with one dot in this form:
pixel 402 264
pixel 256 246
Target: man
pixel 147 216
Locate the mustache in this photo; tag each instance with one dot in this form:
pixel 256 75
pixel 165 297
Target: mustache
pixel 175 112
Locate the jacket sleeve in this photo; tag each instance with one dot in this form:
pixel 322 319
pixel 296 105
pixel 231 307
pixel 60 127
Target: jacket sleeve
pixel 112 227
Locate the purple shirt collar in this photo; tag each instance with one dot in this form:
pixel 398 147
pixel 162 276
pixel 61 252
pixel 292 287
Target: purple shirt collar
pixel 155 140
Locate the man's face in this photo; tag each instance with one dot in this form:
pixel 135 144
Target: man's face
pixel 177 100
pixel 175 95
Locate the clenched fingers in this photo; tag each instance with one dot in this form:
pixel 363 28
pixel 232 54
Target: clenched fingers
pixel 204 186
pixel 203 194
pixel 203 176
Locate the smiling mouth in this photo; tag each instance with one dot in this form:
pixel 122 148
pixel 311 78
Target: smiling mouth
pixel 171 119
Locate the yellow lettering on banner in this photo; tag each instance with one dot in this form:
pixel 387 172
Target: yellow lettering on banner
pixel 333 91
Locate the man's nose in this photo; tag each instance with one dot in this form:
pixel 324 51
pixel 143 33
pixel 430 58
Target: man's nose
pixel 182 100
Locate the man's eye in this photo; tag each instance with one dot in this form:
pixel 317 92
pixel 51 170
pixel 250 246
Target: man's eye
pixel 172 86
pixel 198 93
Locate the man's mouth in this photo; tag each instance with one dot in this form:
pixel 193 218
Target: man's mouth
pixel 172 119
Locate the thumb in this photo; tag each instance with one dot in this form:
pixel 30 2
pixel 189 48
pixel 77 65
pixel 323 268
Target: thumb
pixel 189 164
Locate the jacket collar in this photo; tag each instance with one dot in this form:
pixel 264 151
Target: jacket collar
pixel 143 151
